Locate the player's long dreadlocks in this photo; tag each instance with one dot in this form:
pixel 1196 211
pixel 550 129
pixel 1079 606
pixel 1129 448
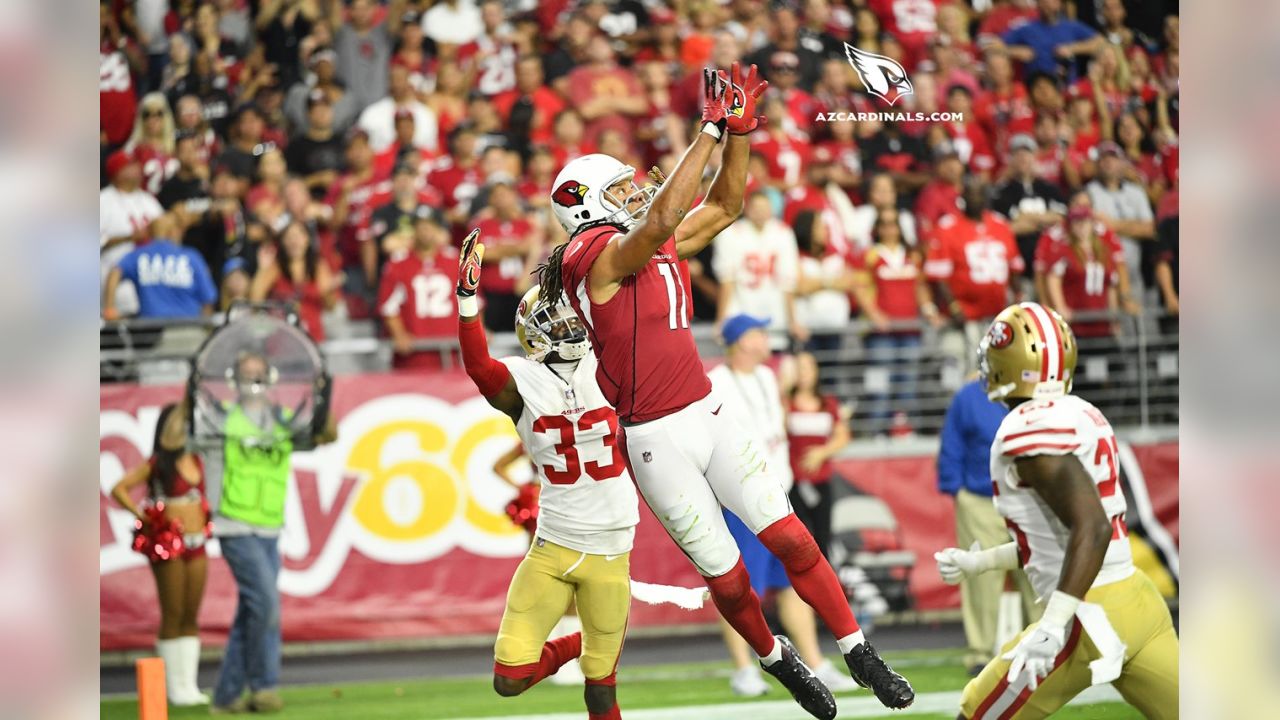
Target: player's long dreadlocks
pixel 550 284
pixel 550 280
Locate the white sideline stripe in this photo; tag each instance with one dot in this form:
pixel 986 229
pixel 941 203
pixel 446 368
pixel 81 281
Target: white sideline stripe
pixel 859 706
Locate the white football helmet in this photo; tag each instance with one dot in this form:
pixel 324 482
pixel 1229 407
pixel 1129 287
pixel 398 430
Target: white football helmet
pixel 543 328
pixel 579 195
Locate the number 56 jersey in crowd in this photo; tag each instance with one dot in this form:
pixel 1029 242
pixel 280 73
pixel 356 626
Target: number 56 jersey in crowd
pixel 587 502
pixel 1063 426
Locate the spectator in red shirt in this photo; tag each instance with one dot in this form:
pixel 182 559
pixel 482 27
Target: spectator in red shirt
pixel 890 287
pixel 570 141
pixel 971 258
pixel 817 429
pixel 449 99
pixel 540 172
pixel 786 150
pixel 151 143
pixel 606 95
pixel 290 270
pixel 491 57
pixel 353 197
pixel 265 200
pixel 511 241
pixel 968 136
pixel 660 130
pixel 404 149
pixel 1050 155
pixel 913 23
pixel 119 61
pixel 528 109
pixel 416 296
pixel 1004 109
pixel 457 176
pixel 939 196
pixel 1083 274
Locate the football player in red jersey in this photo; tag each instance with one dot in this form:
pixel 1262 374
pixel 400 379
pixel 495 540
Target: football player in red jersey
pixel 622 271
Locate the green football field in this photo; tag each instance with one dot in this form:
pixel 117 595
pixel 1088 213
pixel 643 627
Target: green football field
pixel 651 692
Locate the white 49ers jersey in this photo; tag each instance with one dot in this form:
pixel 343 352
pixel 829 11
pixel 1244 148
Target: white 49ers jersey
pixel 587 502
pixel 1063 426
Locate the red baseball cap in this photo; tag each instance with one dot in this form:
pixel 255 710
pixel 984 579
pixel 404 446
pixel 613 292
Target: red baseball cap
pixel 118 161
pixel 1079 212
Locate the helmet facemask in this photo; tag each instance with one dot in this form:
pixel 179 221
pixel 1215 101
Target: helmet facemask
pixel 556 329
pixel 622 215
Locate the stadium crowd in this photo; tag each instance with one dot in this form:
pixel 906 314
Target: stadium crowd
pixel 331 154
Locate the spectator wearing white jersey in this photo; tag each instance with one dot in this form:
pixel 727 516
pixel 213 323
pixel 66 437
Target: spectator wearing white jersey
pixel 124 212
pixel 755 260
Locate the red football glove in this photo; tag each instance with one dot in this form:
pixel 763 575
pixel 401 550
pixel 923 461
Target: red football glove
pixel 714 108
pixel 469 262
pixel 740 101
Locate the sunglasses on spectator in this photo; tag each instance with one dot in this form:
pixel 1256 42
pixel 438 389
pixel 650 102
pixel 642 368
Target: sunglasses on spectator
pixel 152 113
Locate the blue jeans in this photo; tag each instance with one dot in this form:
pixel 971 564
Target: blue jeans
pixel 252 656
pixel 901 354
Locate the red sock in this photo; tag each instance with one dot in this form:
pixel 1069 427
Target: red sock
pixel 810 573
pixel 740 607
pixel 555 653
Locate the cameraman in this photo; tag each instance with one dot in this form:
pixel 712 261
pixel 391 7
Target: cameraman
pixel 256 454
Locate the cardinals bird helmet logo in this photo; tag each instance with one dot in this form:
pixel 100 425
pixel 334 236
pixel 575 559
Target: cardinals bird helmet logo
pixel 1000 334
pixel 570 193
pixel 881 76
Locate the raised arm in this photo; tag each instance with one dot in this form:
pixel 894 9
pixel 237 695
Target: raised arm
pixel 723 203
pixel 670 206
pixel 492 378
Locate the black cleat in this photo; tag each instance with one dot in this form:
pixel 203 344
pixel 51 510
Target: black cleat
pixel 869 671
pixel 800 681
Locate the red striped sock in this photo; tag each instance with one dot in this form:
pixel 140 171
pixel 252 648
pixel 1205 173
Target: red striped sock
pixel 555 653
pixel 740 607
pixel 810 573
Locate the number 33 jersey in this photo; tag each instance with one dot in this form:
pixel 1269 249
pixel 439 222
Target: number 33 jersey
pixel 587 502
pixel 1062 426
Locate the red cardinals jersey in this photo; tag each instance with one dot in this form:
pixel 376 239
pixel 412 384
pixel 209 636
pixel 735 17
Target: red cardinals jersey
pixel 973 146
pixel 894 274
pixel 157 166
pixel 497 233
pixel 363 198
pixel 975 259
pixel 649 364
pixel 913 22
pixel 420 291
pixel 117 102
pixel 494 61
pixel 785 156
pixel 458 185
pixel 1086 278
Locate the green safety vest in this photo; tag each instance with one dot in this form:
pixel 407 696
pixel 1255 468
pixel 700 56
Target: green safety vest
pixel 255 475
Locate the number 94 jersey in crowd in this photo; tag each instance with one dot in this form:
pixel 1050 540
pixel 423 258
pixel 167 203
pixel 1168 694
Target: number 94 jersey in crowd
pixel 587 502
pixel 1061 426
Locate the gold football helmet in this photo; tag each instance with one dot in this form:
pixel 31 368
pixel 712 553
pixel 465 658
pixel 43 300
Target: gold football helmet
pixel 1028 352
pixel 542 328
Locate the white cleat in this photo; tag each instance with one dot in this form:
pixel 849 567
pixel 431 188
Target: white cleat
pixel 748 682
pixel 835 680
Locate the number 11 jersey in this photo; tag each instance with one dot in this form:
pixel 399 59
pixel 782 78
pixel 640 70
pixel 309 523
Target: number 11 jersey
pixel 587 501
pixel 649 364
pixel 1067 425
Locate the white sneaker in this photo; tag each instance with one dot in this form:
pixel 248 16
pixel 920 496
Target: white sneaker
pixel 569 673
pixel 748 682
pixel 835 680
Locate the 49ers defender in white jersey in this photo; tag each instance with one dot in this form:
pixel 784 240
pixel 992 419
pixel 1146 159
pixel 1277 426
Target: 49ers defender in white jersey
pixel 1055 475
pixel 586 523
pixel 623 271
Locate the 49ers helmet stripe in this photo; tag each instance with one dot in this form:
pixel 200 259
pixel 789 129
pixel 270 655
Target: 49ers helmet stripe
pixel 1051 359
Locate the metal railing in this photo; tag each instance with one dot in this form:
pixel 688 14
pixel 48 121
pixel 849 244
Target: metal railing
pixel 1132 377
